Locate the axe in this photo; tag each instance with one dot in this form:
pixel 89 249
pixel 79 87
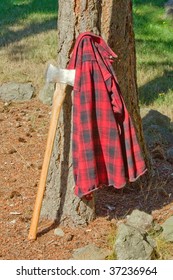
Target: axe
pixel 62 78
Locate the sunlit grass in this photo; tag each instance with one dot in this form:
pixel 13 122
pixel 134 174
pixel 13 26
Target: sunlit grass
pixel 164 249
pixel 154 38
pixel 28 40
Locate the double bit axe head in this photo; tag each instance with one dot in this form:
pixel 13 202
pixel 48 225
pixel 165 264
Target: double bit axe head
pixel 59 75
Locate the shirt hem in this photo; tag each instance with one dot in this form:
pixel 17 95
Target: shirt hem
pixel 88 195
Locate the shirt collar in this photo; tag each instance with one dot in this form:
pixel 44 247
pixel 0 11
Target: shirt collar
pixel 105 51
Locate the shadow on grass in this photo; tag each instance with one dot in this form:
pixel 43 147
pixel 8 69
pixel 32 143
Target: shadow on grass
pixel 151 43
pixel 155 46
pixel 32 29
pixel 153 90
pixel 159 3
pixel 11 12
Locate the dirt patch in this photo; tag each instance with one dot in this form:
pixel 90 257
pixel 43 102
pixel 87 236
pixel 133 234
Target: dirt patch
pixel 23 134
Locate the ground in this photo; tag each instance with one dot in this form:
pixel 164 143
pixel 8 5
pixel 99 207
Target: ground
pixel 23 132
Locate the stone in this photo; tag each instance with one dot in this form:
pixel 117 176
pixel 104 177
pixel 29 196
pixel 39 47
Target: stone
pixel 140 220
pixel 158 152
pixel 59 232
pixel 12 222
pixel 168 229
pixel 169 8
pixel 46 94
pixel 12 151
pixel 157 128
pixel 22 140
pixel 15 194
pixel 169 3
pixel 130 244
pixel 157 135
pixel 69 237
pixel 90 252
pixel 151 241
pixel 18 125
pixel 169 155
pixel 16 91
pixel 153 117
pixel 157 227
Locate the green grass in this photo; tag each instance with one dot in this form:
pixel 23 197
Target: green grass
pixel 164 249
pixel 154 46
pixel 28 39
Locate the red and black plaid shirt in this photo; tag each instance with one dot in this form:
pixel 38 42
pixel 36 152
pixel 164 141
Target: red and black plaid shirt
pixel 105 147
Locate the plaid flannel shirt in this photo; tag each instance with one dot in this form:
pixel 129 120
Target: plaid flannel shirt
pixel 105 147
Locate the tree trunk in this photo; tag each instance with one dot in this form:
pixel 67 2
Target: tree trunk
pixel 112 19
pixel 118 32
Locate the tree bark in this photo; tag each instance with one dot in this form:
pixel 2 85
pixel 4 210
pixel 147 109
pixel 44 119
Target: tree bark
pixel 118 32
pixel 112 19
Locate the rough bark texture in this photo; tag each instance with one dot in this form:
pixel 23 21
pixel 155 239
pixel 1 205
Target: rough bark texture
pixel 112 19
pixel 118 32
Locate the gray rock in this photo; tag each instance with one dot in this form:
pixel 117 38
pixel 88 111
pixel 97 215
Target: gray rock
pixel 140 220
pixel 158 152
pixel 46 94
pixel 170 155
pixel 157 128
pixel 59 232
pixel 90 252
pixel 69 237
pixel 168 229
pixel 169 3
pixel 157 135
pixel 169 8
pixel 151 241
pixel 132 245
pixel 16 91
pixel 157 227
pixel 153 117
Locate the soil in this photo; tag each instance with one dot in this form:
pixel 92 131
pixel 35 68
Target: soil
pixel 23 134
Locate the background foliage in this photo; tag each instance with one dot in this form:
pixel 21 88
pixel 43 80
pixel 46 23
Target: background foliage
pixel 28 40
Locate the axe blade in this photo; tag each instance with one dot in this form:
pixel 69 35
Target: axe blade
pixel 59 75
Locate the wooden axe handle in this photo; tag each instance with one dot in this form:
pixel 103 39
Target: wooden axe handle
pixel 58 98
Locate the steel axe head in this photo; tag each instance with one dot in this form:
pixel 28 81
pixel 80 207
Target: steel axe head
pixel 59 75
